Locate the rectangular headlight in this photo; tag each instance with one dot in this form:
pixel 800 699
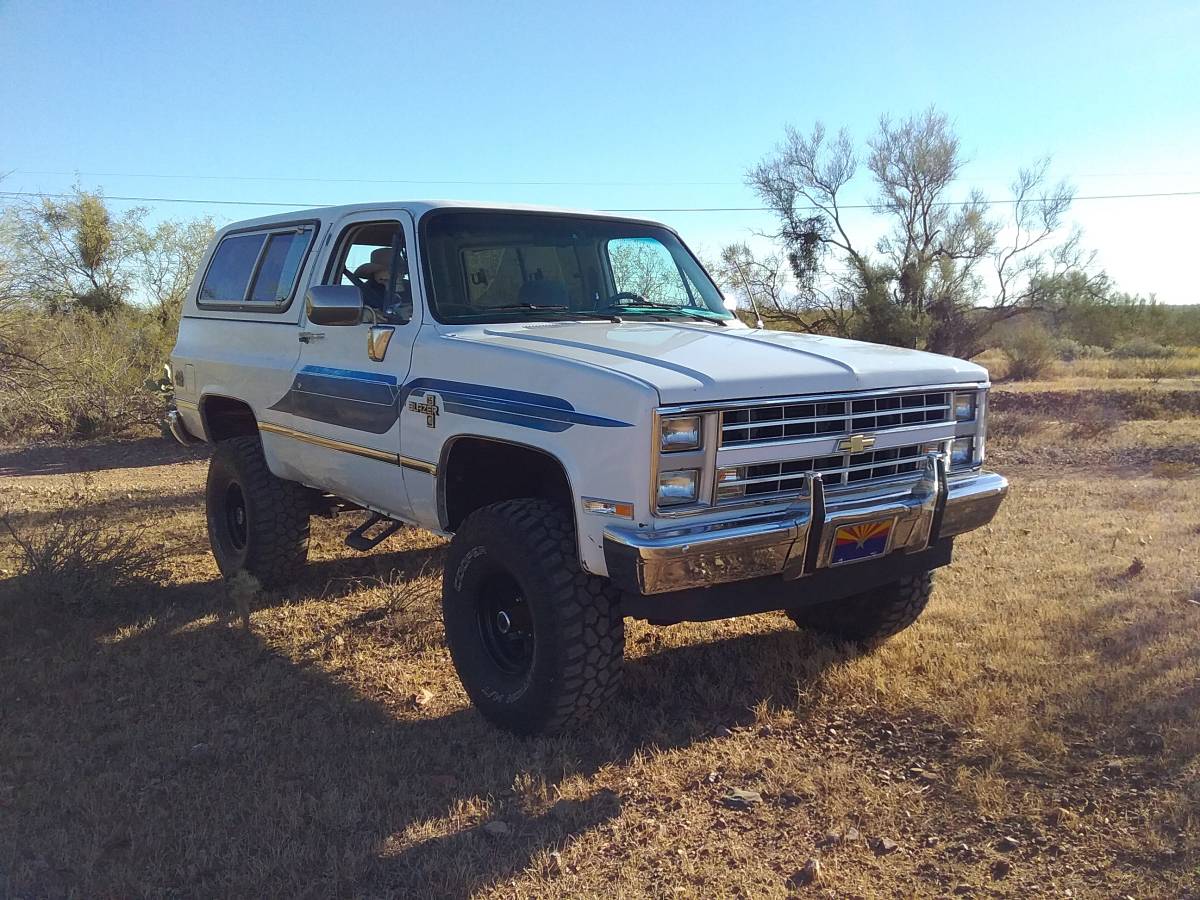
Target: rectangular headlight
pixel 962 453
pixel 680 433
pixel 964 407
pixel 678 487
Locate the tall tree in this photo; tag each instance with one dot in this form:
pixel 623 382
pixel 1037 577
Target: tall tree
pixel 944 271
pixel 164 262
pixel 76 254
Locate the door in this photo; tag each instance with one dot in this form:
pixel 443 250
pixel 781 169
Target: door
pixel 345 392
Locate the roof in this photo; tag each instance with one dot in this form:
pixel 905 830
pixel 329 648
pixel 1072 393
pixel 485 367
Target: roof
pixel 418 208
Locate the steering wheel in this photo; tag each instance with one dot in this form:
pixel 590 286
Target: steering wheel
pixel 627 295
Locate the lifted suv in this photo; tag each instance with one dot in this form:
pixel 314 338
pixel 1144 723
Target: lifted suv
pixel 568 396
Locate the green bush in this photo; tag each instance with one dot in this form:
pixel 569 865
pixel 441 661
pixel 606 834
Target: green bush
pixel 86 376
pixel 1069 350
pixel 1142 348
pixel 1030 351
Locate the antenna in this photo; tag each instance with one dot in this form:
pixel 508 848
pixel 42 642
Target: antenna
pixel 758 322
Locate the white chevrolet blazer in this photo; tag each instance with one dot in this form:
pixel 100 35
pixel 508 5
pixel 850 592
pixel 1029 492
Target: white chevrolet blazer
pixel 567 396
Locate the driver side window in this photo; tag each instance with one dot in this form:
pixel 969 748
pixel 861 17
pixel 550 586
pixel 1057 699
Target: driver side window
pixel 372 257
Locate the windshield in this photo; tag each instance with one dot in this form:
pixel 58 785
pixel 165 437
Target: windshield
pixel 512 266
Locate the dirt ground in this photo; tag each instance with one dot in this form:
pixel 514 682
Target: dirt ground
pixel 1037 733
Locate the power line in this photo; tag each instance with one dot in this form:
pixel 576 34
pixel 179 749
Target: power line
pixel 170 200
pixel 1008 201
pixel 660 209
pixel 517 183
pixel 311 180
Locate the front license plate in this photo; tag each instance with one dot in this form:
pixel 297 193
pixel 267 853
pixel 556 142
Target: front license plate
pixel 862 541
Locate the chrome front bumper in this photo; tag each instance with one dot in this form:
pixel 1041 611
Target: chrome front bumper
pixel 800 540
pixel 174 423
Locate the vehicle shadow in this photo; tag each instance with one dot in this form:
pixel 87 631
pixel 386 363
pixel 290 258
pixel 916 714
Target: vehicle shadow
pixel 117 507
pixel 189 757
pixel 95 456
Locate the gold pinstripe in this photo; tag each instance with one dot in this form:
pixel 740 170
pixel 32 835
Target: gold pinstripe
pixel 407 462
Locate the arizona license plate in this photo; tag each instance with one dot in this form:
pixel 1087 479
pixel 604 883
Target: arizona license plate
pixel 862 541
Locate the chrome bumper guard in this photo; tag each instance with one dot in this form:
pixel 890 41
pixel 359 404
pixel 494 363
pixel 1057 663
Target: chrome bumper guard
pixel 179 431
pixel 801 540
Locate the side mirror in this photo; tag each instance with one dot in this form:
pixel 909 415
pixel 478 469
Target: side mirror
pixel 334 304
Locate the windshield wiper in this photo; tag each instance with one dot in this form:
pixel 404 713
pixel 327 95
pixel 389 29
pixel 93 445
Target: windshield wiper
pixel 536 307
pixel 650 308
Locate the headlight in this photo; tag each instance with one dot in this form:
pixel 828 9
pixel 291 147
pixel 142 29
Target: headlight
pixel 964 407
pixel 677 487
pixel 680 433
pixel 962 453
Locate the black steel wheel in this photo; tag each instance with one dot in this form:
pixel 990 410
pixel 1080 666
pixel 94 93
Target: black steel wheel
pixel 537 642
pixel 257 523
pixel 505 625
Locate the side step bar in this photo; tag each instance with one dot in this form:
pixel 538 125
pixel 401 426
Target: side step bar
pixel 359 540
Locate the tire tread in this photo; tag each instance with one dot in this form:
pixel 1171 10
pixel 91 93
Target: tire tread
pixel 590 627
pixel 278 542
pixel 873 615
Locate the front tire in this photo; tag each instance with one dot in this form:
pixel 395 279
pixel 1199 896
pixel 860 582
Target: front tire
pixel 871 616
pixel 257 523
pixel 537 642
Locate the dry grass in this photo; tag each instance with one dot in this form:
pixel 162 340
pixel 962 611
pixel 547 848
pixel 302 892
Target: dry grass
pixel 76 563
pixel 1051 694
pixel 1176 370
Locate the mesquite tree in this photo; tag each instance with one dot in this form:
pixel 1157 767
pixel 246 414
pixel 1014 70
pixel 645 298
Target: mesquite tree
pixel 944 271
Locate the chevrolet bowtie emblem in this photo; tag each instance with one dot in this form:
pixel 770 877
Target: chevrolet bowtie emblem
pixel 428 408
pixel 857 443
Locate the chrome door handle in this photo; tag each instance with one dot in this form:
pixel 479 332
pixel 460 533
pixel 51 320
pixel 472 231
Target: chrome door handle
pixel 307 337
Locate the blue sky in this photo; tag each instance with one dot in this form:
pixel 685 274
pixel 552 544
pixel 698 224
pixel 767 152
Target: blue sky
pixel 625 105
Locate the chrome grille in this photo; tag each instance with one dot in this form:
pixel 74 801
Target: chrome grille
pixel 772 422
pixel 758 480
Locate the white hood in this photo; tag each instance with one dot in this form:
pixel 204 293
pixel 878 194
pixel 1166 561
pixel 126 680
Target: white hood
pixel 691 363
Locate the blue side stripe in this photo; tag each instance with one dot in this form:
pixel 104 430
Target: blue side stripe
pixel 372 401
pixel 469 404
pixel 522 407
pixel 508 418
pixel 482 390
pixel 351 374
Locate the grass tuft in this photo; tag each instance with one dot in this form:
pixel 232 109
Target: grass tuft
pixel 81 562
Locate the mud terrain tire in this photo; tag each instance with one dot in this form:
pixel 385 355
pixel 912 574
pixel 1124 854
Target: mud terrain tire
pixel 257 523
pixel 871 616
pixel 538 643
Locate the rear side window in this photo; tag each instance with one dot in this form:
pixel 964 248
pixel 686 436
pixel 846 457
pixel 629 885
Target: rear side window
pixel 231 268
pixel 280 266
pixel 260 268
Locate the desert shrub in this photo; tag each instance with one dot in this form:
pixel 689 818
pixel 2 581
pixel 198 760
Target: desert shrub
pixel 1029 350
pixel 83 375
pixel 79 561
pixel 1142 348
pixel 1069 350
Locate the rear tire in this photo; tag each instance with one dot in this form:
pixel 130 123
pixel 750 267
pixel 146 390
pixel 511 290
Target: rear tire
pixel 538 643
pixel 257 523
pixel 873 615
